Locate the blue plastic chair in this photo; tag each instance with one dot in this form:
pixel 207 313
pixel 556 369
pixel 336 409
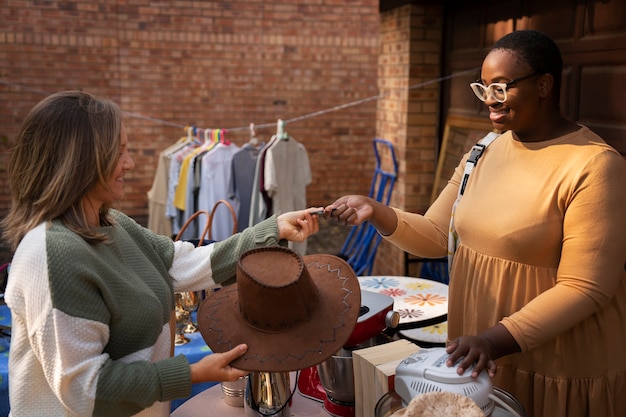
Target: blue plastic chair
pixel 362 242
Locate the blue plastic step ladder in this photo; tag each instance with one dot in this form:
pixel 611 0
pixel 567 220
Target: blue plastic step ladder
pixel 362 242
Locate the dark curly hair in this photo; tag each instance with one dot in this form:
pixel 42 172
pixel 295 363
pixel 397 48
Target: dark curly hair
pixel 537 50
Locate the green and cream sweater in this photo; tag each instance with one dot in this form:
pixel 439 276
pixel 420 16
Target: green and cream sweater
pixel 91 332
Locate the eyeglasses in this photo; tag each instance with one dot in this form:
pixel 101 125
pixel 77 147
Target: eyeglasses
pixel 495 90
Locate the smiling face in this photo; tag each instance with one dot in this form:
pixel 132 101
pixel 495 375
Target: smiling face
pixel 124 163
pixel 524 99
pixel 114 190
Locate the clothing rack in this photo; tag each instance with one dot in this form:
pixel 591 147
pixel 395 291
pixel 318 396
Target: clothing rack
pixel 204 167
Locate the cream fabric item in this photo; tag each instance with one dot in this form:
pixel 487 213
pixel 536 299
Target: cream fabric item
pixel 440 404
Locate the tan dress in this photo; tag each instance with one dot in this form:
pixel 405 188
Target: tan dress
pixel 543 251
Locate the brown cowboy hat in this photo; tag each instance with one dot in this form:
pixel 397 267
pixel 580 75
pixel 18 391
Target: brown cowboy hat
pixel 293 312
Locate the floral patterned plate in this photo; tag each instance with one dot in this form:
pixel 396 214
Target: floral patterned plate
pixel 416 299
pixel 435 334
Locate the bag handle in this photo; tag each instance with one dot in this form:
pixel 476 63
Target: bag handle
pixel 207 226
pixel 470 164
pixel 214 209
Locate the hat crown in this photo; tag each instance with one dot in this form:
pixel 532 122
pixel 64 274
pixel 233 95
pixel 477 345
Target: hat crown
pixel 276 291
pixel 293 312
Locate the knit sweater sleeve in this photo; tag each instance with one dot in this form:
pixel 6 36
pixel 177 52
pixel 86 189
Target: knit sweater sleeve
pixel 210 266
pixel 91 321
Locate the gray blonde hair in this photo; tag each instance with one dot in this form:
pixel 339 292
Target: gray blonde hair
pixel 67 144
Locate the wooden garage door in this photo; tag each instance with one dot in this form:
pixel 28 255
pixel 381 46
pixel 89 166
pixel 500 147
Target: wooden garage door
pixel 592 38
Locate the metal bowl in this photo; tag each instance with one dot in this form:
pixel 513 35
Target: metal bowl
pixel 337 377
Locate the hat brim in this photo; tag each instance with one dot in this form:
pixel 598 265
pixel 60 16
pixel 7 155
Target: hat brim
pixel 328 329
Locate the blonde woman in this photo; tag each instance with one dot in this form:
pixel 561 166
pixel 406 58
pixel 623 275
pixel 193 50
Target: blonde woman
pixel 90 290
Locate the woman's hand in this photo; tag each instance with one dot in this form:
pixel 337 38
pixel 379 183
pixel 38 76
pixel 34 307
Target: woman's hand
pixel 352 210
pixel 472 350
pixel 216 366
pixel 482 350
pixel 296 226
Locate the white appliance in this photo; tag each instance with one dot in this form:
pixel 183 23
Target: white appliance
pixel 426 371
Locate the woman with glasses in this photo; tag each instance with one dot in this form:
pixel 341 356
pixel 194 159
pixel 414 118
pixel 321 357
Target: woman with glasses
pixel 537 294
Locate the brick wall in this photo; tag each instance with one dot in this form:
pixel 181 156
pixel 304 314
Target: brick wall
pixel 205 63
pixel 408 112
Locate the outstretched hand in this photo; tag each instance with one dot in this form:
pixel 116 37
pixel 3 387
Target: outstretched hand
pixel 353 210
pixel 216 366
pixel 350 210
pixel 296 226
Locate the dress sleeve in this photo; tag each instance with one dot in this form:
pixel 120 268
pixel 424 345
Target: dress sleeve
pixel 592 256
pixel 427 235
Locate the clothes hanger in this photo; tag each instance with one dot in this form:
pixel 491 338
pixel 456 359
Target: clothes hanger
pixel 222 137
pixel 209 139
pixel 193 135
pixel 280 130
pixel 183 140
pixel 253 139
pixel 189 130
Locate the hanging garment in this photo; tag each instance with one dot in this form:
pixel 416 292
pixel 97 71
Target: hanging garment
pixel 176 159
pixel 259 209
pixel 242 175
pixel 192 190
pixel 158 222
pixel 214 181
pixel 287 174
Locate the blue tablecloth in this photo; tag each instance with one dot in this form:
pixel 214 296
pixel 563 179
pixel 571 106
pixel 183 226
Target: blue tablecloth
pixel 5 320
pixel 194 351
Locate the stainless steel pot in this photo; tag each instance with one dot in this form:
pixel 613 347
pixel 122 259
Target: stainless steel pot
pixel 268 394
pixel 234 391
pixel 337 377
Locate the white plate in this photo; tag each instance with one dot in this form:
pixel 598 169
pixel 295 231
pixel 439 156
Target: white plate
pixel 416 299
pixel 437 333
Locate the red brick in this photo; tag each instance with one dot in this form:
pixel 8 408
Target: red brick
pixel 214 64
